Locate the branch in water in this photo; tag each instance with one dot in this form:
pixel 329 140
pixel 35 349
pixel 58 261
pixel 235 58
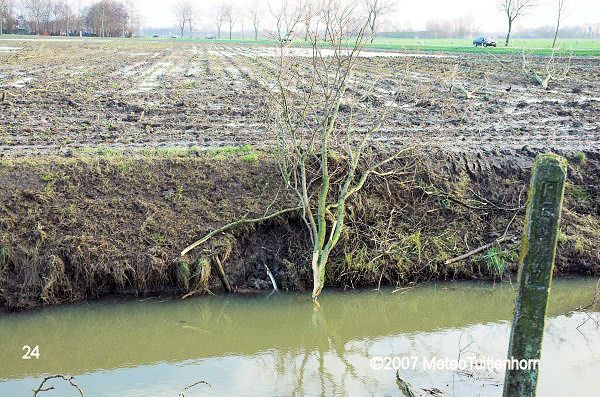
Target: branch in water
pixel 182 394
pixel 69 379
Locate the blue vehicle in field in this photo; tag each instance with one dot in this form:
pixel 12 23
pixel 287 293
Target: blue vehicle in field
pixel 484 42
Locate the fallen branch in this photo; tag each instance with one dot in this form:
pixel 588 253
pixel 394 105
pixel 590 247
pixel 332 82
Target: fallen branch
pixel 236 223
pixel 69 379
pixel 549 70
pixel 223 276
pixel 182 393
pixel 499 240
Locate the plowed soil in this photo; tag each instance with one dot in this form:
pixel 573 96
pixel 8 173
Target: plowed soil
pixel 60 96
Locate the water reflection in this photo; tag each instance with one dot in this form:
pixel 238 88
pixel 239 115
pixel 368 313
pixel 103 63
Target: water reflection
pixel 282 346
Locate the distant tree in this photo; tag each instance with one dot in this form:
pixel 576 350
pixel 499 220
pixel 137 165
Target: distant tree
pixel 255 12
pixel 135 17
pixel 561 7
pixel 107 18
pixel 220 16
pixel 327 11
pixel 7 17
pixel 377 9
pixel 513 9
pixel 184 12
pixel 287 17
pixel 309 12
pixel 192 17
pixel 35 10
pixel 230 17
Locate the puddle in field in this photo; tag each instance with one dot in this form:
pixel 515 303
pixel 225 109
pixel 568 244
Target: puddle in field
pixel 279 345
pixel 56 40
pixel 10 49
pixel 22 82
pixel 152 76
pixel 308 52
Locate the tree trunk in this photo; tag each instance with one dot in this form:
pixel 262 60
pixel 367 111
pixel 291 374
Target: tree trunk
pixel 255 34
pixel 373 31
pixel 556 31
pixel 508 34
pixel 318 268
pixel 319 263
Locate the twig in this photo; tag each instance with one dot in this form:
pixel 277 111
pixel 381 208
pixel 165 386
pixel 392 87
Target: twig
pixel 236 223
pixel 182 393
pixel 48 378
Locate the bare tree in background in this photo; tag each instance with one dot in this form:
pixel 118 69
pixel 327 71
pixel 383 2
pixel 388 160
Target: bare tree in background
pixel 35 10
pixel 135 17
pixel 255 12
pixel 309 13
pixel 513 9
pixel 230 17
pixel 192 16
pixel 184 11
pixel 107 18
pixel 377 9
pixel 63 18
pixel 287 16
pixel 327 11
pixel 561 7
pixel 6 15
pixel 178 10
pixel 220 16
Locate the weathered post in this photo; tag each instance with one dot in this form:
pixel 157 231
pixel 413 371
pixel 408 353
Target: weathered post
pixel 538 248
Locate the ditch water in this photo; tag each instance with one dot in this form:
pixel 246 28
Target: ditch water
pixel 279 345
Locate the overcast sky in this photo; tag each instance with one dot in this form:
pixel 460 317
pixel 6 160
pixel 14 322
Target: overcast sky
pixel 413 14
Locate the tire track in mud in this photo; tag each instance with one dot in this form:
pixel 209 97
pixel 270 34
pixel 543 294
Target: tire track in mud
pixel 209 95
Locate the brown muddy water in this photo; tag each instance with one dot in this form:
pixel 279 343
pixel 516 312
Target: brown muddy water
pixel 278 345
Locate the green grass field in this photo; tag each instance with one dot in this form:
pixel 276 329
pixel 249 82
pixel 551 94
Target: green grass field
pixel 578 47
pixel 589 47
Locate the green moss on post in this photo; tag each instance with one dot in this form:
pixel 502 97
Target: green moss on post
pixel 535 271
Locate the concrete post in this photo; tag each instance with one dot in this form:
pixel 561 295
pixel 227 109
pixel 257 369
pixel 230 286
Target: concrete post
pixel 538 249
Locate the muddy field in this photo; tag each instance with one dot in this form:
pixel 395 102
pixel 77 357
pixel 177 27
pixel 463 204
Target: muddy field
pixel 60 96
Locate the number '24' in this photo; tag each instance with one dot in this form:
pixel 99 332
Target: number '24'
pixel 31 352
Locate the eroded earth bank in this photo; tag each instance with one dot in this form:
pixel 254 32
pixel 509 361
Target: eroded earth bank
pixel 87 226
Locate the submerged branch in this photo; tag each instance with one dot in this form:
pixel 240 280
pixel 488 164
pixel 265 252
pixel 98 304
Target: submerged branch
pixel 202 382
pixel 68 379
pixel 404 386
